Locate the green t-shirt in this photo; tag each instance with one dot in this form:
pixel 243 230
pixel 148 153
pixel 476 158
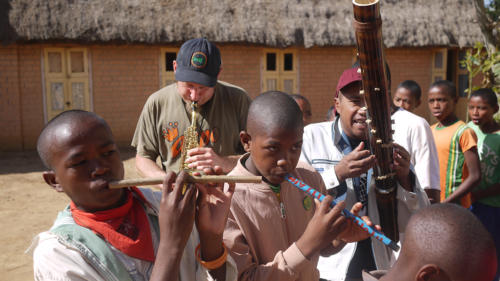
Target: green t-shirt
pixel 165 117
pixel 489 153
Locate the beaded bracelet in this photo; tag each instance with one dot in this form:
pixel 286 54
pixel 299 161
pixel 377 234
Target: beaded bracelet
pixel 212 264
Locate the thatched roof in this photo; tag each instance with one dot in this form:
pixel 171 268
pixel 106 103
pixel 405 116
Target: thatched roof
pixel 268 22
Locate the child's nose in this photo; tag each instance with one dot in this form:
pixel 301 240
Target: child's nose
pixel 281 162
pixel 99 168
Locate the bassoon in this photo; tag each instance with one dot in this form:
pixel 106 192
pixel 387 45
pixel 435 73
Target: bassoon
pixel 368 30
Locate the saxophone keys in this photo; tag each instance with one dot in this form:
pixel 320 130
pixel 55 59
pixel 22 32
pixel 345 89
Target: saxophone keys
pixel 368 121
pixel 359 68
pixel 377 89
pixel 378 141
pixel 373 131
pixel 361 92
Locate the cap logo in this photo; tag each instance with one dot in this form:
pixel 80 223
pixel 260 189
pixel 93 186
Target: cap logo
pixel 199 60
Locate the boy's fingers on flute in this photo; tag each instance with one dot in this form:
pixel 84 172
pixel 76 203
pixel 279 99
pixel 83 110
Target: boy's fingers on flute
pixel 179 183
pixel 168 182
pixel 323 206
pixel 356 208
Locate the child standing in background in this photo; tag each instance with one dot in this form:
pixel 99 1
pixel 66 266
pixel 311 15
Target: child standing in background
pixel 483 104
pixel 407 95
pixel 456 145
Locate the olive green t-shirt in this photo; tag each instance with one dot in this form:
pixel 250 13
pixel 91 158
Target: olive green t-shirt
pixel 165 117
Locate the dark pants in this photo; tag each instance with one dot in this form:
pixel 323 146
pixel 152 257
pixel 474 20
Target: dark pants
pixel 490 217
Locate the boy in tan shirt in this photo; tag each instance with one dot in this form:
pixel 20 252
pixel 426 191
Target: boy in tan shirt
pixel 274 230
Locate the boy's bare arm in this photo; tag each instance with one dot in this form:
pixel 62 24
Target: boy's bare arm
pixel 473 165
pixel 147 167
pixel 176 219
pixel 213 209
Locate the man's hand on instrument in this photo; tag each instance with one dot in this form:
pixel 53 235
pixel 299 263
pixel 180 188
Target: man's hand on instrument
pixel 177 211
pixel 205 157
pixel 401 166
pixel 213 204
pixel 354 164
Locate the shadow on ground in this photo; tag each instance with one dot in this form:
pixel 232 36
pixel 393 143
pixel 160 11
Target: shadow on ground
pixel 15 162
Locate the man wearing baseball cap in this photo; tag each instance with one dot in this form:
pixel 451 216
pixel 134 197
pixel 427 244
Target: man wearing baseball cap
pixel 222 109
pixel 339 152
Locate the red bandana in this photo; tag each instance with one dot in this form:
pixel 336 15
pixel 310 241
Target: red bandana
pixel 125 227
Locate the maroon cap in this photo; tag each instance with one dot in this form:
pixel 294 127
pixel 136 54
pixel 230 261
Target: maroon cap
pixel 348 76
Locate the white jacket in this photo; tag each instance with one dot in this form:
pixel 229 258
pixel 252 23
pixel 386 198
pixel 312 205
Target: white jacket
pixel 321 149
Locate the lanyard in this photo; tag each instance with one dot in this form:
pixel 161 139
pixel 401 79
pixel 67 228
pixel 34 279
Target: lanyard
pixel 277 191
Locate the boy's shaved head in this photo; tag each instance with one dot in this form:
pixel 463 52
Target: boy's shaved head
pixel 452 238
pixel 54 127
pixel 271 110
pixel 446 86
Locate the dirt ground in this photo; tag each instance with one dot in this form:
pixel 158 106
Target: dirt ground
pixel 29 206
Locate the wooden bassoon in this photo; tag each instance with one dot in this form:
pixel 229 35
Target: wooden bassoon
pixel 368 30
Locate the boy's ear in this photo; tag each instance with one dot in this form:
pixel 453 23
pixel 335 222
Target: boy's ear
pixel 245 139
pixel 50 179
pixel 430 272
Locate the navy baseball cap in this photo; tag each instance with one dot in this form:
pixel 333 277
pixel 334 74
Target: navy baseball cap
pixel 198 61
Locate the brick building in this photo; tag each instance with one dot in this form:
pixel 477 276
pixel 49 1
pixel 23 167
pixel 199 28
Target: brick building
pixel 109 56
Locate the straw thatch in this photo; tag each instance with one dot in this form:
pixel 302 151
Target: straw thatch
pixel 267 22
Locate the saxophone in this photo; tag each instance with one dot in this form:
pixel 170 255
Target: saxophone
pixel 368 31
pixel 190 141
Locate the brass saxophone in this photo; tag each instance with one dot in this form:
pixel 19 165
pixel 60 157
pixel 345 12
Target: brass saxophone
pixel 368 30
pixel 190 141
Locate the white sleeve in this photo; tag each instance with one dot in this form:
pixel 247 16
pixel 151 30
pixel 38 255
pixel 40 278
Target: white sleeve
pixel 309 147
pixel 424 156
pixel 54 261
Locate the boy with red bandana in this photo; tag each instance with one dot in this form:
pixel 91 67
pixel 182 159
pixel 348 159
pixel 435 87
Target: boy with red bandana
pixel 123 234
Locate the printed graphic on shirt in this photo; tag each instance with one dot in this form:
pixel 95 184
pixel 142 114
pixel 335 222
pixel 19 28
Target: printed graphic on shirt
pixel 171 135
pixel 489 160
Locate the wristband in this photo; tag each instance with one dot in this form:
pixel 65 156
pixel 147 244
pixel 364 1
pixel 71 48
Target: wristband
pixel 211 264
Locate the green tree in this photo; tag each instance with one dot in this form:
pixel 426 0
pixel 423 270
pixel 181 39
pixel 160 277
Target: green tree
pixel 484 58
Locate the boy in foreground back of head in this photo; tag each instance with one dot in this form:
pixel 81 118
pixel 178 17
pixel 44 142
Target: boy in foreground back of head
pixel 438 246
pixel 456 145
pixel 127 233
pixel 275 231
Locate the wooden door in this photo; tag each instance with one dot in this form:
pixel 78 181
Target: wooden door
pixel 66 80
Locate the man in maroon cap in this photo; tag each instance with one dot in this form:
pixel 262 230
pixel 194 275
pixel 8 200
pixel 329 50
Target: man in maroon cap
pixel 337 150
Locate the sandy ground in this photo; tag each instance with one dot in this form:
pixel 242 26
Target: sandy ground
pixel 28 206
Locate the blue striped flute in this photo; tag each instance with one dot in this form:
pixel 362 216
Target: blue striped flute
pixel 318 195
